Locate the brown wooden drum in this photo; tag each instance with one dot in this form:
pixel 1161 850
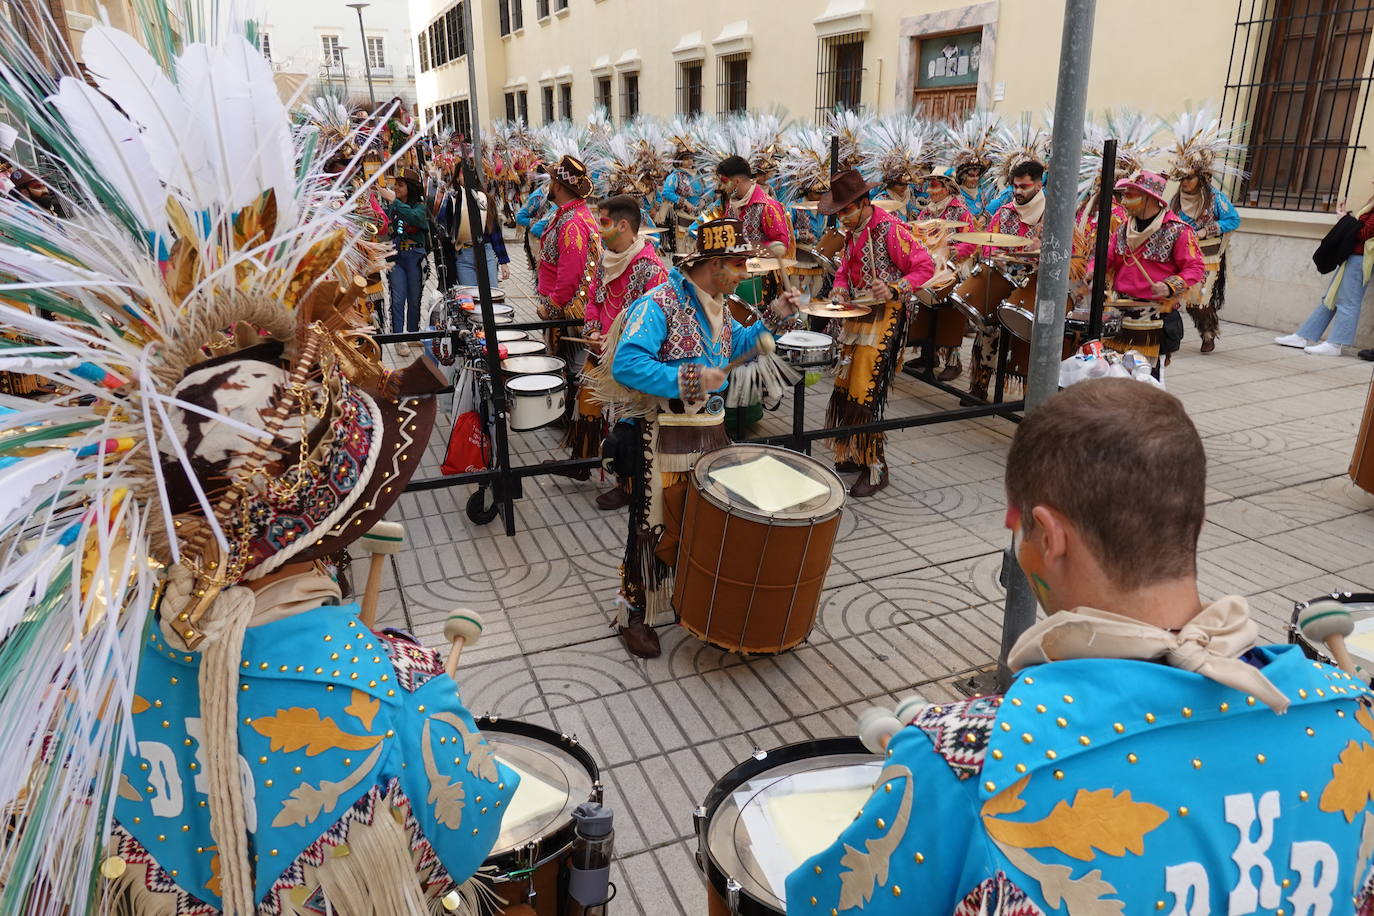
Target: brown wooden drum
pixel 1362 463
pixel 979 295
pixel 831 242
pixel 757 533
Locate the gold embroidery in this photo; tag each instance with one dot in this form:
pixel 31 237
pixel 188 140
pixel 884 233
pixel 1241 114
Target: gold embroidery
pixel 296 728
pixel 363 708
pixel 1098 819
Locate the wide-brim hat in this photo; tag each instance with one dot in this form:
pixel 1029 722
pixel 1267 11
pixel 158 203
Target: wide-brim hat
pixel 722 238
pixel 845 188
pixel 1151 184
pixel 360 446
pixel 571 172
pixel 943 176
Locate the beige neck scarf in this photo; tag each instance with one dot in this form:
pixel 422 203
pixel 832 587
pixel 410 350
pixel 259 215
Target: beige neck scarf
pixel 291 595
pixel 613 263
pixel 1210 644
pixel 1191 204
pixel 738 203
pixel 935 210
pixel 1137 237
pixel 713 306
pixel 1033 210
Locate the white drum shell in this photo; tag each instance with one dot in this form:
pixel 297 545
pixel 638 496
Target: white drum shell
pixel 535 401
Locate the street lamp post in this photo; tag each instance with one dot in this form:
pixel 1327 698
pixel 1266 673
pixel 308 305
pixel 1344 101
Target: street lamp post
pixel 367 63
pixel 343 69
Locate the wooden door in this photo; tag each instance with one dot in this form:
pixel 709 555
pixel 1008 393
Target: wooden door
pixel 950 105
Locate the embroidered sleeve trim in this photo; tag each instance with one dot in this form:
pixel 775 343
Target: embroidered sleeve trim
pixel 960 732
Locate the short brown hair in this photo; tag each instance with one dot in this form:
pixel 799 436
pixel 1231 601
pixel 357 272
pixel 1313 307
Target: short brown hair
pixel 1123 462
pixel 622 206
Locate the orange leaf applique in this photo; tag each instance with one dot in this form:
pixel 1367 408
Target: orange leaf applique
pixel 1097 819
pixel 363 708
pixel 296 728
pixel 140 704
pixel 213 884
pixel 1008 801
pixel 1352 781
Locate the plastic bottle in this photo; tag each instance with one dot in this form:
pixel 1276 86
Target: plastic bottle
pixel 589 878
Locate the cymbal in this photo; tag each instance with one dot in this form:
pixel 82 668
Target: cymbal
pixel 891 206
pixel 992 239
pixel 645 230
pixel 824 309
pixel 806 205
pixel 937 223
pixel 767 265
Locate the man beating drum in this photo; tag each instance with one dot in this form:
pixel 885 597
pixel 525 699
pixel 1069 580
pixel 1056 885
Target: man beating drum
pixel 1149 755
pixel 669 353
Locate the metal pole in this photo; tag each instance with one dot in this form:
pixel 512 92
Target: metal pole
pixel 1056 249
pixel 507 484
pixel 367 64
pixel 343 68
pixel 1106 183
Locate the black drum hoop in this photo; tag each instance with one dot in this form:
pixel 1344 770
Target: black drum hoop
pixel 749 905
pixel 555 844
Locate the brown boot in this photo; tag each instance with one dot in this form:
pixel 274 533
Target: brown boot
pixel 1209 345
pixel 863 488
pixel 953 369
pixel 612 499
pixel 640 639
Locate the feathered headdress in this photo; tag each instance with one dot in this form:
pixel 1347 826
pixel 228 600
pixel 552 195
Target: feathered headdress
pixel 805 164
pixel 976 141
pixel 755 137
pixel 1134 132
pixel 652 149
pixel 900 148
pixel 1204 148
pixel 208 410
pixel 851 127
pixel 615 164
pixel 1022 143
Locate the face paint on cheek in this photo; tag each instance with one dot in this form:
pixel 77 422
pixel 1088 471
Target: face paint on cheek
pixel 1032 563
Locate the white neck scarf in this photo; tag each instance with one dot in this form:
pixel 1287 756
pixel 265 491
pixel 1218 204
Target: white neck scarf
pixel 613 263
pixel 1033 210
pixel 738 203
pixel 1210 644
pixel 935 210
pixel 1191 204
pixel 1137 237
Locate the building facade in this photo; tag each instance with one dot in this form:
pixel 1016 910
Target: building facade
pixel 320 40
pixel 1297 73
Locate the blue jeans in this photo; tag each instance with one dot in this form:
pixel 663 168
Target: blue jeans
pixel 467 267
pixel 406 286
pixel 1347 311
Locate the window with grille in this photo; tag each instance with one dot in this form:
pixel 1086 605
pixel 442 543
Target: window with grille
pixel 265 44
pixel 510 106
pixel 1297 76
pixel 424 52
pixel 629 97
pixel 565 101
pixel 522 105
pixel 463 118
pixel 503 11
pixel 689 88
pixel 548 104
pixel 376 52
pixel 517 14
pixel 732 91
pixel 603 94
pixel 438 42
pixel 541 8
pixel 560 4
pixel 330 45
pixel 457 40
pixel 839 73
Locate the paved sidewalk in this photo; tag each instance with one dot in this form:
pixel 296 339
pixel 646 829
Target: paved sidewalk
pixel 912 600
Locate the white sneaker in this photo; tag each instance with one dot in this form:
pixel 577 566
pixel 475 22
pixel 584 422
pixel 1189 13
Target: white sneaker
pixel 1325 348
pixel 1292 340
pixel 403 349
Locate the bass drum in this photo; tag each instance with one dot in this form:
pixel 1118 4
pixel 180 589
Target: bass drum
pixel 979 295
pixel 534 846
pixel 771 813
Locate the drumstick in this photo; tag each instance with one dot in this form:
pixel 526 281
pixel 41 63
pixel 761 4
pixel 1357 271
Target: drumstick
pixel 582 340
pixel 463 628
pixel 762 348
pixel 381 540
pixel 779 249
pixel 1329 622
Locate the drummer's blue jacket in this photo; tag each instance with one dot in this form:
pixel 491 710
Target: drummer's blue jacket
pixel 666 329
pixel 1223 212
pixel 1115 786
pixel 338 725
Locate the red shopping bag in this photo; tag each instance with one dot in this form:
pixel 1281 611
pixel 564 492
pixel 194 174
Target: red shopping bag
pixel 467 443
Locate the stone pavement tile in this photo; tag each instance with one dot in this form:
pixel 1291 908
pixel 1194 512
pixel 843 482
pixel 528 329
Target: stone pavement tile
pixel 981 576
pixel 907 656
pixel 940 542
pixel 1272 612
pixel 1214 535
pixel 1247 568
pixel 855 608
pixel 960 500
pixel 1248 518
pixel 1321 547
pixel 1311 504
pixel 1236 481
pixel 601 668
pixel 1362 575
pixel 925 592
pixel 1341 489
pixel 505 688
pixel 641 821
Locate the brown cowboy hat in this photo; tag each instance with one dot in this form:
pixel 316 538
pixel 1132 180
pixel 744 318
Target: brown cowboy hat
pixel 845 188
pixel 570 172
pixel 722 238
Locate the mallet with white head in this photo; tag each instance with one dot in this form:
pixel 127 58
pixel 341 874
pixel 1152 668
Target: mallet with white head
pixel 1327 621
pixel 463 628
pixel 381 540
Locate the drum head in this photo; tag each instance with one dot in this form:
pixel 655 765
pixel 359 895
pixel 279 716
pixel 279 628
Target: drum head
pixel 1016 319
pixel 805 339
pixel 769 815
pixel 532 365
pixel 535 384
pixel 556 775
pixel 769 483
pixel 508 335
pixel 1359 644
pixel 524 347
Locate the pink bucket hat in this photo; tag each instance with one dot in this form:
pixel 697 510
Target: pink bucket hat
pixel 1149 183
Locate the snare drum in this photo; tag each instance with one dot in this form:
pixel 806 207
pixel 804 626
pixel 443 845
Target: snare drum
pixel 811 262
pixel 831 243
pixel 556 775
pixel 1360 644
pixel 979 295
pixel 474 293
pixel 808 349
pixel 771 813
pixel 506 335
pixel 757 533
pixel 532 365
pixel 536 401
pixel 741 311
